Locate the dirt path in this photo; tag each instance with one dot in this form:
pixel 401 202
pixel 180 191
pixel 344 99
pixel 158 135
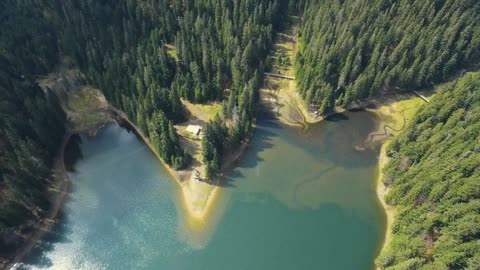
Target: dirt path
pixel 87 111
pixel 60 187
pixel 279 94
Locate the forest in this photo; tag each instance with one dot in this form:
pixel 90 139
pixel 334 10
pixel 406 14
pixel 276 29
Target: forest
pixel 31 120
pixel 434 176
pixel 347 51
pixel 32 130
pixel 351 50
pixel 121 47
pixel 220 50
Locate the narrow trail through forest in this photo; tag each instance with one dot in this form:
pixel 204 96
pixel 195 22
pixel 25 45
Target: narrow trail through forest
pixel 59 190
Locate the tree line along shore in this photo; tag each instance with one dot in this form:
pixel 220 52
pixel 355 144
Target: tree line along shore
pixel 150 58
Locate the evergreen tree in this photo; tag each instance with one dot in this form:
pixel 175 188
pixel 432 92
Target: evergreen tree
pixel 371 48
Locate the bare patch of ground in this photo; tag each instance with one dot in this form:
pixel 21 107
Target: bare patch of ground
pixel 203 112
pixel 86 107
pixel 87 110
pixel 394 113
pixel 280 96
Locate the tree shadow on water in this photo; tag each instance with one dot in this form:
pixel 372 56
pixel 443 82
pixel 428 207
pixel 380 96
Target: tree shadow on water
pixel 260 141
pixel 57 234
pixel 337 117
pixel 229 177
pixel 72 152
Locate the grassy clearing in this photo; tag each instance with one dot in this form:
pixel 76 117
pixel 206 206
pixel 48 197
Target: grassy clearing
pixel 284 53
pixel 87 99
pixel 204 112
pixel 86 109
pixel 398 114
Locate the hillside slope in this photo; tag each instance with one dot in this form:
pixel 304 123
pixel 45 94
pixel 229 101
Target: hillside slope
pixel 352 49
pixel 434 176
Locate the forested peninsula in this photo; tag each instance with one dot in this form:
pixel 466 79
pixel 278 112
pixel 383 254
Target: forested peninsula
pixel 149 59
pixel 166 65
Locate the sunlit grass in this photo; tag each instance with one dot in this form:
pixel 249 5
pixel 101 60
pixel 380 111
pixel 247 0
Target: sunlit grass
pixel 400 113
pixel 87 109
pixel 85 100
pixel 204 112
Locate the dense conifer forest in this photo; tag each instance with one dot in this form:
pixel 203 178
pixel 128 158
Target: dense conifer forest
pixel 350 50
pixel 220 50
pixel 434 175
pixel 121 47
pixel 31 120
pixel 32 129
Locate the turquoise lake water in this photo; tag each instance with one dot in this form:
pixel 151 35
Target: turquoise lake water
pixel 297 199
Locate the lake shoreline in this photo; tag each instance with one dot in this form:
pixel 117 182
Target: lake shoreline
pixel 288 108
pixel 60 178
pixel 119 117
pixel 180 180
pixel 60 183
pixel 394 114
pixel 385 108
pixel 381 192
pixel 186 178
pixel 45 224
pixel 198 209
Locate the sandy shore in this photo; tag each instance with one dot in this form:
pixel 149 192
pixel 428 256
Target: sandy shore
pixel 382 190
pixel 281 98
pixel 394 114
pixel 87 111
pixel 198 197
pixel 181 178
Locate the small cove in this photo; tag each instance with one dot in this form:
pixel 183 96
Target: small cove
pixel 296 200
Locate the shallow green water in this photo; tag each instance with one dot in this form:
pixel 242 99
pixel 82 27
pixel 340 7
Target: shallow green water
pixel 296 200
